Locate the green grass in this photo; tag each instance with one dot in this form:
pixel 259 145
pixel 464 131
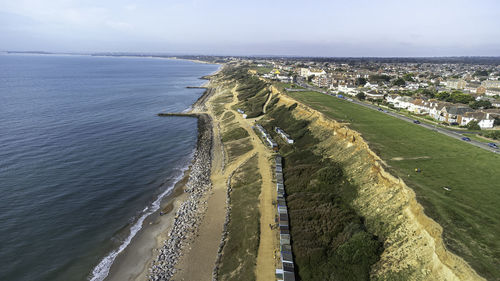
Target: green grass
pixel 470 212
pixel 263 69
pixel 234 134
pixel 237 148
pixel 240 252
pixel 228 117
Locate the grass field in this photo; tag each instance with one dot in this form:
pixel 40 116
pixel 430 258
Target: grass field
pixel 240 252
pixel 469 212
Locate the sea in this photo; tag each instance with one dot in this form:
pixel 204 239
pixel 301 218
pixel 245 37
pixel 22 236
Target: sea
pixel 84 159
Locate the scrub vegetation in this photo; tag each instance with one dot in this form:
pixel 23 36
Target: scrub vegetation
pixel 240 252
pixel 329 239
pixel 457 183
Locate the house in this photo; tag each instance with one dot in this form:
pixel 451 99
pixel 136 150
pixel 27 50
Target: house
pixel 491 84
pixel 391 98
pixel 348 89
pixel 492 92
pixel 403 102
pixel 453 114
pixel 484 119
pixel 306 72
pixel 456 83
pixel 374 95
pixel 419 106
pixel 369 85
pixel 435 111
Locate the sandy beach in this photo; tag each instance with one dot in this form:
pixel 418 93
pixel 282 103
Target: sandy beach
pixel 184 206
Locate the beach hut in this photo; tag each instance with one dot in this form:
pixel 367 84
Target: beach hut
pixel 285 239
pixel 286 257
pixel 288 276
pixel 284 227
pixel 284 231
pixel 281 202
pixel 283 217
pixel 279 177
pixel 287 266
pixel 286 248
pixel 279 274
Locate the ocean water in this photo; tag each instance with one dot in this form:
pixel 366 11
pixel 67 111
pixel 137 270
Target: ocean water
pixel 83 158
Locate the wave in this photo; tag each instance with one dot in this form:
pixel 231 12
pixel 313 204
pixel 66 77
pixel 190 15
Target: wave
pixel 101 271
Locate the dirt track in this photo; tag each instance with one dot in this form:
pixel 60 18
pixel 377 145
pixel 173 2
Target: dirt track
pixel 203 251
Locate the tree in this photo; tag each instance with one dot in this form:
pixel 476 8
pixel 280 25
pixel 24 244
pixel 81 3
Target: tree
pixel 399 82
pixel 497 121
pixel 481 73
pixel 310 78
pixel 444 96
pixel 408 77
pixel 480 104
pixel 428 93
pixel 473 125
pixel 360 81
pixel 361 96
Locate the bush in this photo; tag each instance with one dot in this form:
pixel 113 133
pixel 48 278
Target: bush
pixel 473 125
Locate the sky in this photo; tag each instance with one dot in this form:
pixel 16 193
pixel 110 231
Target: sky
pixel 359 28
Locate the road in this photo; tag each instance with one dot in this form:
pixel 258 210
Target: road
pixel 450 133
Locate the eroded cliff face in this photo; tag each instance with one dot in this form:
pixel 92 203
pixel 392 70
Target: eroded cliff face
pixel 413 245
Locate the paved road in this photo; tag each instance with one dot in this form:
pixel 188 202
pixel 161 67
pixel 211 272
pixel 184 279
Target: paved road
pixel 449 133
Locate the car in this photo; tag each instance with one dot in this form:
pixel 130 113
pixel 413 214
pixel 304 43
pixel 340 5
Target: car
pixel 379 109
pixel 416 121
pixel 465 139
pixel 492 145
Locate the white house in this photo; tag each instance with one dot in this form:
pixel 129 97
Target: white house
pixel 484 119
pixel 403 102
pixel 348 89
pixel 306 72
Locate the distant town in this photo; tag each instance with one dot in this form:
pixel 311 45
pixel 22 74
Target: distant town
pixel 453 94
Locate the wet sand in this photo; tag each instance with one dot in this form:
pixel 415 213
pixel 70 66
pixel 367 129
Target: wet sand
pixel 133 263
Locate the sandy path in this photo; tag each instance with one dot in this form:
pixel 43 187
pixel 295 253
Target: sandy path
pixel 267 101
pixel 198 262
pixel 265 268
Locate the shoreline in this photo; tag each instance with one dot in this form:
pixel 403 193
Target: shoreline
pixel 144 256
pixel 157 247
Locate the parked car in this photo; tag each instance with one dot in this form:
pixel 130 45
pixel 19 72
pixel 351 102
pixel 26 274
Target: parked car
pixel 465 139
pixel 416 121
pixel 492 145
pixel 379 109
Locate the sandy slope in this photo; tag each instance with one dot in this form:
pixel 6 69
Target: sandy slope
pixel 413 242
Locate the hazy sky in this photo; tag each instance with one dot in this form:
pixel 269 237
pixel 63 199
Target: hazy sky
pixel 254 27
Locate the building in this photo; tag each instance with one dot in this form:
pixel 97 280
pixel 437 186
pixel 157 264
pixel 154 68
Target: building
pixel 491 84
pixel 453 114
pixel 456 84
pixel 419 106
pixel 374 95
pixel 484 119
pixel 306 72
pixel 284 135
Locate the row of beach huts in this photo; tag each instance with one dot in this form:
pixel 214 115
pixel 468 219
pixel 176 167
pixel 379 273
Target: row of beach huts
pixel 286 272
pixel 267 137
